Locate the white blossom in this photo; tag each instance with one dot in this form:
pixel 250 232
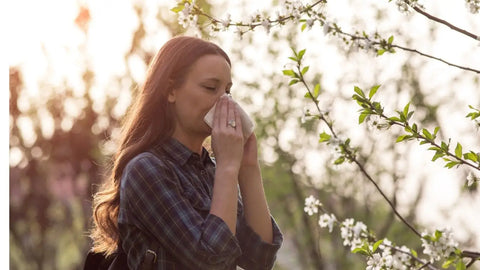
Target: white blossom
pixel 401 260
pixel 352 233
pixel 311 205
pixel 440 248
pixel 226 22
pixel 473 5
pixel 374 262
pixel 266 25
pixel 326 220
pixel 402 5
pixel 326 27
pixel 239 32
pixel 471 178
pixel 309 23
pixel 358 229
pixel 186 18
pixel 377 262
pixel 386 246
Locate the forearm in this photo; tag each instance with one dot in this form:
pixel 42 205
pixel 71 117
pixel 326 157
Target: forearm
pixel 255 203
pixel 225 197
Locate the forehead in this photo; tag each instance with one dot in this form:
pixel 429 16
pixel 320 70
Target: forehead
pixel 211 66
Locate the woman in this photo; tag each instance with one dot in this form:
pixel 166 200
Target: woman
pixel 165 195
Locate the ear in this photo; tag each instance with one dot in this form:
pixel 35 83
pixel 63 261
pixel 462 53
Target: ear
pixel 172 95
pixel 171 92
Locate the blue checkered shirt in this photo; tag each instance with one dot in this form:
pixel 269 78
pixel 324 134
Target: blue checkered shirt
pixel 165 197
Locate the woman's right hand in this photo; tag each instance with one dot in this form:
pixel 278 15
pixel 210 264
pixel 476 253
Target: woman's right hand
pixel 227 141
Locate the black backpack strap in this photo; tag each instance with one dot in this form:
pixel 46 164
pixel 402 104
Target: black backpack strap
pixel 149 260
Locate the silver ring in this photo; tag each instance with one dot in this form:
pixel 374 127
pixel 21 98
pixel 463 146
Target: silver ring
pixel 232 123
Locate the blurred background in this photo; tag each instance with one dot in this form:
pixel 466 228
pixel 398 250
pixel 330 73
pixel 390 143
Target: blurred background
pixel 75 65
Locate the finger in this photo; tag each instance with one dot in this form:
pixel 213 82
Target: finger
pixel 231 112
pixel 220 114
pixel 238 119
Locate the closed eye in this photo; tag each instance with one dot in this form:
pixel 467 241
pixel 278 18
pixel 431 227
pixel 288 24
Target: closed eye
pixel 210 88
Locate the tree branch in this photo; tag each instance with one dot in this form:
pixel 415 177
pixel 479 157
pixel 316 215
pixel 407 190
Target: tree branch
pixel 453 27
pixel 252 26
pixel 352 157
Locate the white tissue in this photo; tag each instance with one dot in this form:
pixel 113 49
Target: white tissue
pixel 247 123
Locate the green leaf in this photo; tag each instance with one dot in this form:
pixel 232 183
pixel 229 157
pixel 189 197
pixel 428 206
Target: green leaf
pixel 304 26
pixel 305 69
pixel 451 164
pixel 428 237
pixel 438 155
pixel 301 53
pixel 458 151
pixel 359 91
pixel 361 251
pixel 178 8
pixel 377 106
pixel 445 147
pixel 339 160
pixel 409 115
pixel 288 72
pixel 394 118
pixel 373 90
pixel 414 253
pixel 435 132
pixel 427 134
pixel 448 262
pixel 390 40
pixel 414 128
pixel 362 117
pixel 405 109
pixel 324 137
pixel 471 156
pixel 438 234
pixel 293 81
pixel 461 265
pixel 377 244
pixel 316 90
pixel 402 138
pixel 380 52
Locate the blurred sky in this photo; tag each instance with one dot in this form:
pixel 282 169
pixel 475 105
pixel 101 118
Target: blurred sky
pixel 43 40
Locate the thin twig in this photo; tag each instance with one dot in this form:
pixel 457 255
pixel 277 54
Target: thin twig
pixel 433 18
pixel 360 166
pixel 410 50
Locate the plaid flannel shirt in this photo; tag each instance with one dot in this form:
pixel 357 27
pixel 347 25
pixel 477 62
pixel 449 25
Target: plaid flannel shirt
pixel 165 197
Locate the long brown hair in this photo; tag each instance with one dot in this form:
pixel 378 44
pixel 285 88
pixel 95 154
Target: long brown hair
pixel 149 121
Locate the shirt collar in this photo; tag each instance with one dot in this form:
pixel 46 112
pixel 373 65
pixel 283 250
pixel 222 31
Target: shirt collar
pixel 180 153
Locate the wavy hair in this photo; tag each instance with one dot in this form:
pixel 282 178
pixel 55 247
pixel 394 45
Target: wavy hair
pixel 149 121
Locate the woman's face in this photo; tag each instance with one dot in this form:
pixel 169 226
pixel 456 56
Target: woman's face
pixel 209 78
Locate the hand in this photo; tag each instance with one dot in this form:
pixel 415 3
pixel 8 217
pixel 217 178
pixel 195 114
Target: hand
pixel 227 141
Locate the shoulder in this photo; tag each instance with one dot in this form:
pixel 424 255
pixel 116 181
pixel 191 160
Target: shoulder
pixel 144 160
pixel 146 166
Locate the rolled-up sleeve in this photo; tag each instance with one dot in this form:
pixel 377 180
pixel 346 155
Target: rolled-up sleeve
pixel 152 191
pixel 257 254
